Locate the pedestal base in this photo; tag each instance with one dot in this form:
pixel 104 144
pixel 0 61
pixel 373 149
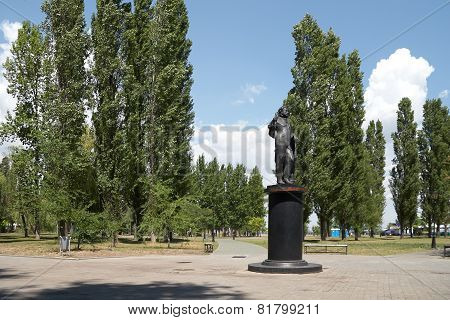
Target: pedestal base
pixel 285 233
pixel 296 267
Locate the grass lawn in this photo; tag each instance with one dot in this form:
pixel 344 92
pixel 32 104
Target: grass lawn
pixel 16 244
pixel 366 246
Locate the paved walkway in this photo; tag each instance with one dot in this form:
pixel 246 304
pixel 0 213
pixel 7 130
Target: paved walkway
pixel 235 247
pixel 220 276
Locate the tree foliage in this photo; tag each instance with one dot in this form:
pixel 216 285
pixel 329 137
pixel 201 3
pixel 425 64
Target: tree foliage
pixel 235 200
pixel 164 216
pixel 6 195
pixel 375 146
pixel 25 73
pixel 404 182
pixel 309 101
pixel 108 27
pixel 66 95
pixel 326 104
pixel 434 154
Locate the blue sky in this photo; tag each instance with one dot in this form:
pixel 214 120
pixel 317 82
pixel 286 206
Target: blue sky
pixel 242 42
pixel 243 51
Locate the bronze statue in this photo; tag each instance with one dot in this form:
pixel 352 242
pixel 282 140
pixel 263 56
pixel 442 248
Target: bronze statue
pixel 281 131
pixel 284 253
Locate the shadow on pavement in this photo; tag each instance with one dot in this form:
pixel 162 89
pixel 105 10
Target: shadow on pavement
pixel 110 291
pixel 10 274
pixel 439 253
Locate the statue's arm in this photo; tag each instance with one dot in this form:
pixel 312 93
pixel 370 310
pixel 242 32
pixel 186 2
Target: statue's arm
pixel 271 131
pixel 273 126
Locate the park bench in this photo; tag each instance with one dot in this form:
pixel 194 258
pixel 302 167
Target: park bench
pixel 209 247
pixel 446 246
pixel 312 241
pixel 323 248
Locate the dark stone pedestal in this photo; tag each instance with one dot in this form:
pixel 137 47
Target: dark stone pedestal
pixel 285 233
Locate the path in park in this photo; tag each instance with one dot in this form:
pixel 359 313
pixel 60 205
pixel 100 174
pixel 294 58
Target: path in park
pixel 220 276
pixel 239 248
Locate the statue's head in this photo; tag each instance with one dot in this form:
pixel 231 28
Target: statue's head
pixel 283 112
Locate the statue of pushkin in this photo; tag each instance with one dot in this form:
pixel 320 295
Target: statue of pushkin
pixel 281 131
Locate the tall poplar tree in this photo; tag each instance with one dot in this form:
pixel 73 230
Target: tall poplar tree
pixel 375 146
pixel 435 167
pixel 65 116
pixel 221 213
pixel 404 182
pixel 359 157
pixel 231 197
pixel 238 209
pixel 208 189
pixel 349 161
pixel 255 194
pixel 170 117
pixel 24 71
pixel 158 113
pixel 137 77
pixel 214 193
pixel 254 197
pixel 314 75
pixel 108 116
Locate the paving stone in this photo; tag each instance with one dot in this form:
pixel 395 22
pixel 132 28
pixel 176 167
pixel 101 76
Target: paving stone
pixel 219 276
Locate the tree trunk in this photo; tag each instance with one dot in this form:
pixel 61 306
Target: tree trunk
pixel 433 241
pixel 322 229
pixel 372 233
pixel 114 239
pixel 78 243
pixel 342 232
pixel 168 239
pixel 356 234
pixel 25 227
pixel 430 228
pixel 153 237
pixel 134 229
pixel 438 228
pixel 328 228
pixel 63 228
pixel 411 231
pixel 401 231
pixel 37 221
pixel 213 235
pixel 137 218
pixel 37 230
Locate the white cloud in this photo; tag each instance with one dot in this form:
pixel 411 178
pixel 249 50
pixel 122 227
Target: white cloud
pixel 443 94
pixel 237 143
pixel 249 92
pixel 9 30
pixel 400 75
